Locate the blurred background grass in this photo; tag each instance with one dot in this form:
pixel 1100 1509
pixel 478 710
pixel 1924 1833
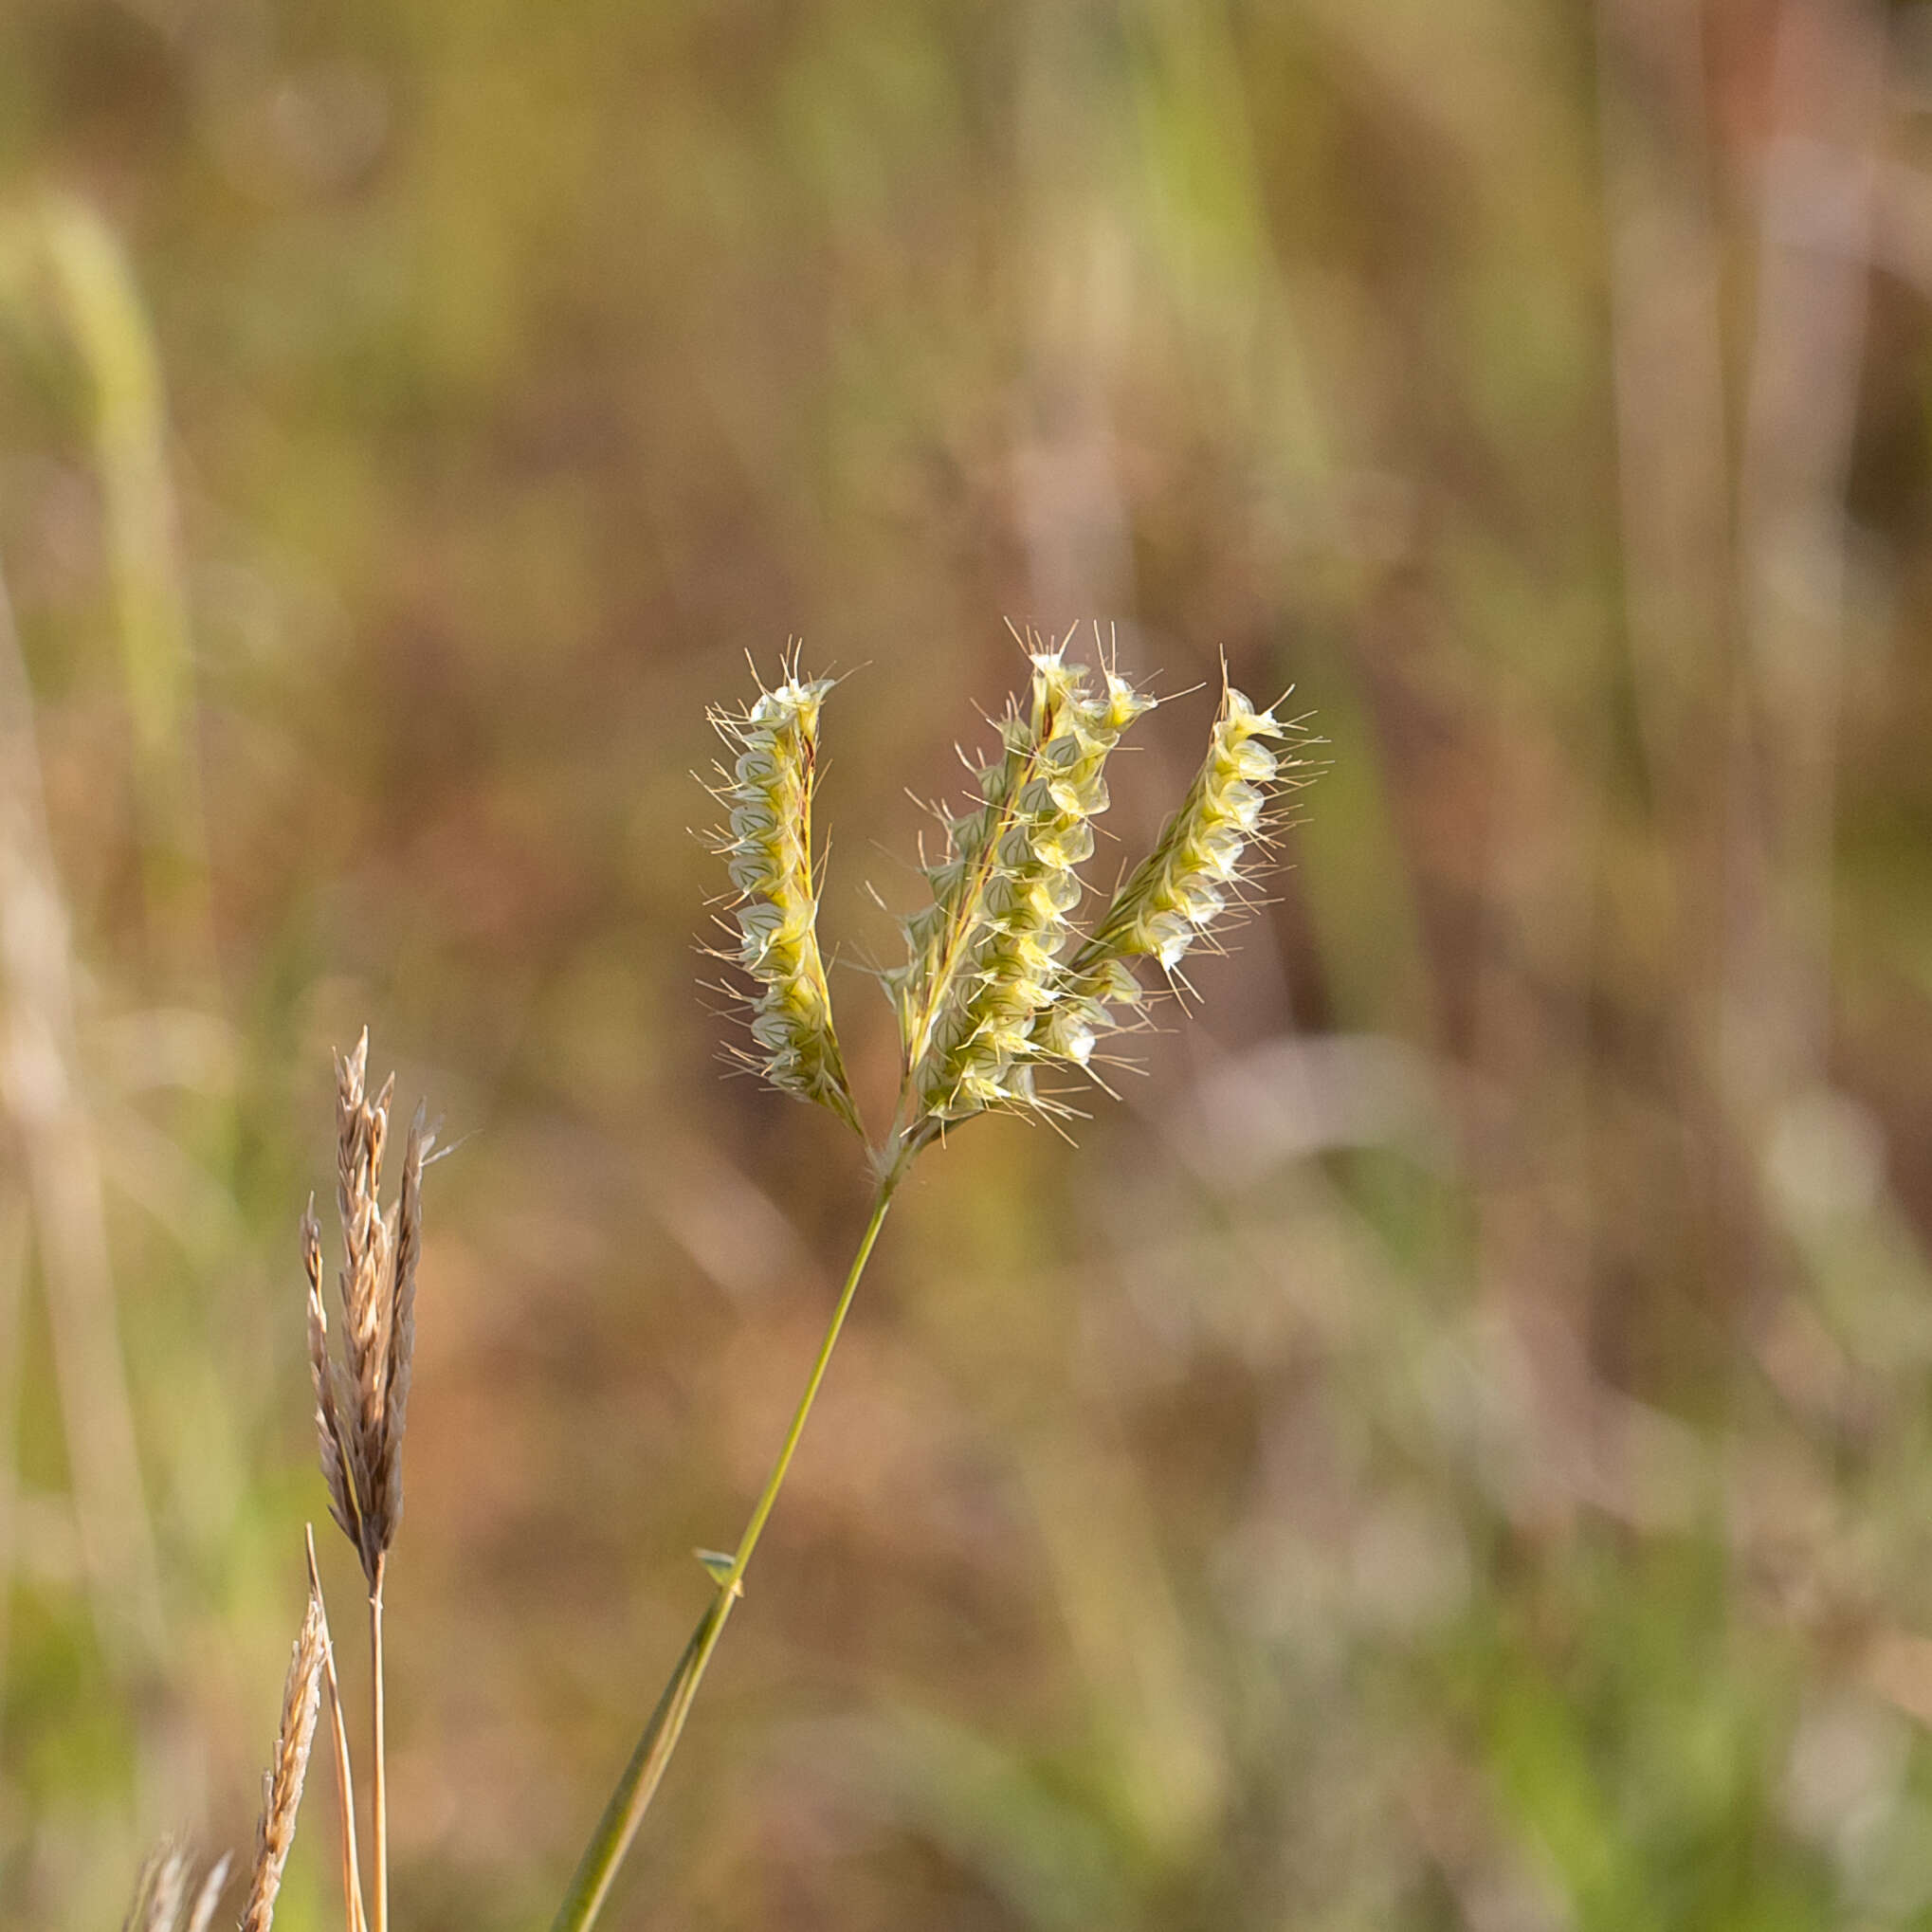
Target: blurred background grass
pixel 1454 1449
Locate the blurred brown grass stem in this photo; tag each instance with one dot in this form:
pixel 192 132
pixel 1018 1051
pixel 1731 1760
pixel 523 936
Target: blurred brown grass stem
pixel 628 1802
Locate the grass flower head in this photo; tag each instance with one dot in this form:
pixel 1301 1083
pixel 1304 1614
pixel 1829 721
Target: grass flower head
pixel 998 978
pixel 984 960
pixel 767 846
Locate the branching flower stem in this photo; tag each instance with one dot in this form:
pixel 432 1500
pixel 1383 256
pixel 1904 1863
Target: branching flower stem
pixel 984 998
pixel 638 1786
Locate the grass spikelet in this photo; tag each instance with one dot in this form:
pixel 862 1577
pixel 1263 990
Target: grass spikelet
pixel 334 1441
pixel 984 960
pixel 366 1281
pixel 767 793
pixel 387 1474
pixel 281 1787
pixel 1187 889
pixel 362 1401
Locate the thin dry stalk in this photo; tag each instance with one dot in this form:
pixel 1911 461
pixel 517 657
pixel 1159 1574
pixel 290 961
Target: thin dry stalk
pixel 379 1785
pixel 282 1792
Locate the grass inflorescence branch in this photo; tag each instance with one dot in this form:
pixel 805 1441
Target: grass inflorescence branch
pixel 766 791
pixel 999 981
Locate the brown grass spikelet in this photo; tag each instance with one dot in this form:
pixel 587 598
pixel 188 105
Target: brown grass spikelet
pixel 388 1474
pixel 334 1442
pixel 368 1239
pixel 283 1783
pixel 362 1400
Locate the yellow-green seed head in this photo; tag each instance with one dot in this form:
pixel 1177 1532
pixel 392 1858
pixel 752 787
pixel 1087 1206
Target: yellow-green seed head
pixel 767 848
pixel 1180 891
pixel 996 979
pixel 984 965
pixel 1184 889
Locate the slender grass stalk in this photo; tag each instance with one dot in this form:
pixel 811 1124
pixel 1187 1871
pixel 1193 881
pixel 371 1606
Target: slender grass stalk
pixel 378 1774
pixel 638 1786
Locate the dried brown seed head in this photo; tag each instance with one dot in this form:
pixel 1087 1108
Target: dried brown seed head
pixel 362 1400
pixel 281 1792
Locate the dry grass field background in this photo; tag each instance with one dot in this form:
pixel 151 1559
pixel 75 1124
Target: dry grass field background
pixel 1453 1449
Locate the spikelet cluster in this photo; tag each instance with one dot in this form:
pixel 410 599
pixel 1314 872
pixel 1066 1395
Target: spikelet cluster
pixel 283 1783
pixel 985 959
pixel 362 1400
pixel 767 847
pixel 1187 887
pixel 999 977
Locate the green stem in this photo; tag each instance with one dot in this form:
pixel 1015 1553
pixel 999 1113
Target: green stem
pixel 638 1786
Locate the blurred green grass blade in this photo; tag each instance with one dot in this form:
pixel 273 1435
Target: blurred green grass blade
pixel 104 316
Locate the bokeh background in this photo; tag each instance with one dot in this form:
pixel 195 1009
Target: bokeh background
pixel 1452 1447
